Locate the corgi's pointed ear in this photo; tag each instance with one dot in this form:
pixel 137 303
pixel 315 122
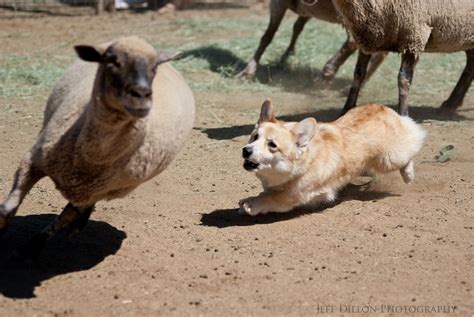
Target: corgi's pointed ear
pixel 266 113
pixel 305 131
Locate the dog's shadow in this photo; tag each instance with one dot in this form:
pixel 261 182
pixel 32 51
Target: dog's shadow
pixel 18 279
pixel 223 218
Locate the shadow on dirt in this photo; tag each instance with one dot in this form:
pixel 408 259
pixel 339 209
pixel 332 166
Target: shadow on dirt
pixel 278 73
pixel 419 114
pixel 226 133
pixel 223 218
pixel 61 255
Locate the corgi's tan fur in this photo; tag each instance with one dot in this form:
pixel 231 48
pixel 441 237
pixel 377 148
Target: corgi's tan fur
pixel 307 162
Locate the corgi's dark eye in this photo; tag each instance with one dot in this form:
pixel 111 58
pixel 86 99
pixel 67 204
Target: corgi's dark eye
pixel 272 144
pixel 255 137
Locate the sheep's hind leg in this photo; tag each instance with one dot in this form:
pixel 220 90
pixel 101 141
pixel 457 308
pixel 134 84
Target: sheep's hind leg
pixel 297 29
pixel 71 216
pixel 456 98
pixel 277 12
pixel 359 76
pixel 405 77
pixel 25 178
pixel 332 66
pixel 375 61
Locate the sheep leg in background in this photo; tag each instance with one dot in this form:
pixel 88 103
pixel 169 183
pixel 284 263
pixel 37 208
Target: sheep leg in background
pixel 25 178
pixel 375 61
pixel 297 29
pixel 70 215
pixel 330 68
pixel 457 96
pixel 359 76
pixel 277 12
pixel 405 77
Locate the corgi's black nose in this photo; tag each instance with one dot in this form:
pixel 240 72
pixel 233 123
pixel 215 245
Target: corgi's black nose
pixel 246 152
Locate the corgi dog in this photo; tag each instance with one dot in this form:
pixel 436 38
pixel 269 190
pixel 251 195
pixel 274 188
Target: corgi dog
pixel 307 162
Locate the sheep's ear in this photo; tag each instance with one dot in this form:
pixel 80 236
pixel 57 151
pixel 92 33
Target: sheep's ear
pixel 89 53
pixel 168 56
pixel 304 131
pixel 266 113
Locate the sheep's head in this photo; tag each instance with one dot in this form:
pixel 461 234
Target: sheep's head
pixel 127 70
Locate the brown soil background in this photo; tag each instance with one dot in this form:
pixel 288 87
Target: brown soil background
pixel 176 246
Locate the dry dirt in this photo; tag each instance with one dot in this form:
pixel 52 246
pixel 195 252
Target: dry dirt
pixel 176 246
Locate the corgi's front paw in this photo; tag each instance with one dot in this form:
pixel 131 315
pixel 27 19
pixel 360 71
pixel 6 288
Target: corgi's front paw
pixel 252 206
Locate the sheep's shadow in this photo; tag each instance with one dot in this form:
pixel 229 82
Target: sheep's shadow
pixel 419 114
pixel 277 73
pixel 61 255
pixel 227 133
pixel 223 218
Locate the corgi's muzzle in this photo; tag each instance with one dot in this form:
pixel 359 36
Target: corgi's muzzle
pixel 248 165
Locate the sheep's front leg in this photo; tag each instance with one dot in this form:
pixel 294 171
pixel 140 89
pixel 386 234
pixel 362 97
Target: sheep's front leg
pixel 80 223
pixel 70 218
pixel 359 76
pixel 26 177
pixel 405 77
pixel 277 12
pixel 331 67
pixel 297 29
pixel 456 98
pixel 267 202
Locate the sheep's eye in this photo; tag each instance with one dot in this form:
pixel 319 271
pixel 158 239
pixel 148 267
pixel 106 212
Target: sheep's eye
pixel 113 60
pixel 272 144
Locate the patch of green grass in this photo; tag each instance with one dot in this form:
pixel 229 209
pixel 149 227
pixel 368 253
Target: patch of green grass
pixel 22 77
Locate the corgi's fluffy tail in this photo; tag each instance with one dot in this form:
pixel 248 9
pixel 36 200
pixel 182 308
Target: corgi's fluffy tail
pixel 416 136
pixel 406 142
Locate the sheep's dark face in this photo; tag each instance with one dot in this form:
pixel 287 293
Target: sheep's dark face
pixel 129 66
pixel 129 80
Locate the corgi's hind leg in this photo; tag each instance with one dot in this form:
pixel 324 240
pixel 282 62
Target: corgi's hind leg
pixel 408 172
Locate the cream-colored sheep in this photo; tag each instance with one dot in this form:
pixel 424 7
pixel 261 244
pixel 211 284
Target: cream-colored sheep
pixel 410 27
pixel 306 9
pixel 115 119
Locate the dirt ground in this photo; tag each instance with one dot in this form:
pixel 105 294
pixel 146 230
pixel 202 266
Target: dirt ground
pixel 177 246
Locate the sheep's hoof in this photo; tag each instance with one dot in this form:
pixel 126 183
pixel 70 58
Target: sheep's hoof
pixel 323 82
pixel 249 72
pixel 246 75
pixel 447 109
